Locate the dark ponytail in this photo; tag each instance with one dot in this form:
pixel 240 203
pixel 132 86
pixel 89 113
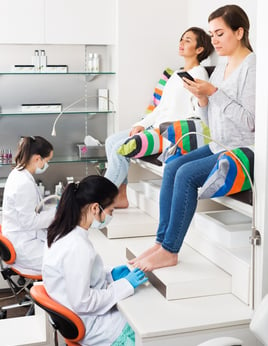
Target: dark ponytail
pixel 92 189
pixel 29 146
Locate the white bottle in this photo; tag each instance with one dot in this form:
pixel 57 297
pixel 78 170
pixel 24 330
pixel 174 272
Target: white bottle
pixel 59 189
pixel 36 60
pixel 90 62
pixel 41 189
pixel 96 62
pixel 43 61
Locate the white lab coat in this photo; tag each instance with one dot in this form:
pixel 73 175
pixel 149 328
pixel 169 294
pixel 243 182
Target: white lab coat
pixel 25 228
pixel 74 275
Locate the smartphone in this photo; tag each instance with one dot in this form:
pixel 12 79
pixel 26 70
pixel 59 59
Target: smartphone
pixel 186 75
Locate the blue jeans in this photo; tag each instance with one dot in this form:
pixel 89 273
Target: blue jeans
pixel 118 165
pixel 178 196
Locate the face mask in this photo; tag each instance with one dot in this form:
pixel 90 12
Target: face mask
pixel 42 170
pixel 99 224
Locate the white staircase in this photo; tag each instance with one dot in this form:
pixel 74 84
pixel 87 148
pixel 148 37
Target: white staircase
pixel 215 257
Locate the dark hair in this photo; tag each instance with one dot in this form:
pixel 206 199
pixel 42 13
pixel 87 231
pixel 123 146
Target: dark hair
pixel 92 189
pixel 235 17
pixel 29 146
pixel 202 40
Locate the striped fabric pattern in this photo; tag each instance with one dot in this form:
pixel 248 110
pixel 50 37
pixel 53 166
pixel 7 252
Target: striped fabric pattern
pixel 228 176
pixel 158 91
pixel 145 143
pixel 176 130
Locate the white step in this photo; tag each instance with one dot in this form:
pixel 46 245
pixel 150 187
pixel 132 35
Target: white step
pixel 219 234
pixel 236 260
pixel 193 276
pixel 130 222
pixel 227 227
pixel 137 197
pixel 151 188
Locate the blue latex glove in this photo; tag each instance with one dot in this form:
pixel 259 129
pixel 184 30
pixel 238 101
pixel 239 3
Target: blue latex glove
pixel 136 277
pixel 120 272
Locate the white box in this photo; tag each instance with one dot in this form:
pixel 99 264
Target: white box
pixel 41 108
pixel 55 69
pixel 103 99
pixel 227 227
pixel 24 68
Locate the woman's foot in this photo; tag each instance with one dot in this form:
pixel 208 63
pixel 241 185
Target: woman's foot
pixel 158 259
pixel 121 201
pixel 146 253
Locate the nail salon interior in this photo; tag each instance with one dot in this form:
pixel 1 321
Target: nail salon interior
pixel 77 72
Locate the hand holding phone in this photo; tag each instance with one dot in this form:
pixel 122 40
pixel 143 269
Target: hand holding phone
pixel 184 74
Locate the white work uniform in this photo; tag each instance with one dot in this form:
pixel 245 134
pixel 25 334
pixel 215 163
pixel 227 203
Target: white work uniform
pixel 25 228
pixel 74 275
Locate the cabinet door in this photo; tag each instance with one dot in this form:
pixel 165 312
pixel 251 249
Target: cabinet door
pixel 22 21
pixel 80 21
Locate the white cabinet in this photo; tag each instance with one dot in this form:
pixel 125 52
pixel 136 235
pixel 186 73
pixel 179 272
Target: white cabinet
pixel 22 21
pixel 80 21
pixel 61 21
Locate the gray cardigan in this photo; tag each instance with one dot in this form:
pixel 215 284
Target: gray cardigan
pixel 230 113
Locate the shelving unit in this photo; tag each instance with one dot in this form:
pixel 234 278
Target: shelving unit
pixel 77 86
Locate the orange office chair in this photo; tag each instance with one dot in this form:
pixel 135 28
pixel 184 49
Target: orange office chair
pixel 64 320
pixel 8 270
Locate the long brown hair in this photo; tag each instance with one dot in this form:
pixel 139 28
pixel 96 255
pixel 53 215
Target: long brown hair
pixel 29 146
pixel 235 17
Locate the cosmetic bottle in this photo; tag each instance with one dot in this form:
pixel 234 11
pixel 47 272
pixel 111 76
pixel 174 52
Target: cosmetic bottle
pixel 36 61
pixel 43 61
pixel 96 62
pixel 59 189
pixel 41 189
pixel 90 65
pixel 9 156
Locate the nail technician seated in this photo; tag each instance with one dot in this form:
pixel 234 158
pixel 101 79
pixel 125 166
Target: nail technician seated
pixel 73 272
pixel 21 224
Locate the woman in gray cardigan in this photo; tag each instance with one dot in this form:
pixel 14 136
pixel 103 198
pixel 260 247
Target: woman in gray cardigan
pixel 227 105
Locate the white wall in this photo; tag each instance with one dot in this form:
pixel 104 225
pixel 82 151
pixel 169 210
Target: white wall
pixel 148 38
pixel 198 12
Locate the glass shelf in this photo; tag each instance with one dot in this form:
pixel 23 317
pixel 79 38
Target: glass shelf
pixel 14 113
pixel 76 159
pixel 67 159
pixel 93 74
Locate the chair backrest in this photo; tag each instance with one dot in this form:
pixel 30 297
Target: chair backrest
pixel 7 251
pixel 259 321
pixel 64 320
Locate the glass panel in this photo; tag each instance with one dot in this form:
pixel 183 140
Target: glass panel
pixel 17 113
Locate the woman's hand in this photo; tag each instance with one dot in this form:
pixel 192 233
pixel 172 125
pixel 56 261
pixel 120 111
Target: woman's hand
pixel 136 129
pixel 200 89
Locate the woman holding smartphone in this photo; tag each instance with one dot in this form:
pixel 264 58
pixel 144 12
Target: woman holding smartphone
pixel 227 105
pixel 176 103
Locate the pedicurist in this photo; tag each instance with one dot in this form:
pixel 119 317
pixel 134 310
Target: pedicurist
pixel 22 225
pixel 73 272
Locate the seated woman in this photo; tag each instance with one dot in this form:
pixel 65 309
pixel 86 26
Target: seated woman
pixel 227 105
pixel 73 272
pixel 176 103
pixel 21 224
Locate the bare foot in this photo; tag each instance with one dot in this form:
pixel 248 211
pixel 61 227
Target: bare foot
pixel 121 201
pixel 146 253
pixel 158 259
